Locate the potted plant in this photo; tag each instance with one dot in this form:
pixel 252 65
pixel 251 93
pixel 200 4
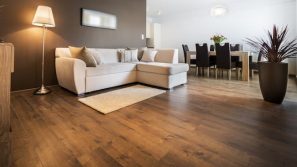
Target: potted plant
pixel 273 73
pixel 218 39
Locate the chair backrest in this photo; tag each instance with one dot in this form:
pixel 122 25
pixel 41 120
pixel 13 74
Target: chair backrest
pixel 223 56
pixel 235 47
pixel 202 56
pixel 185 49
pixel 212 48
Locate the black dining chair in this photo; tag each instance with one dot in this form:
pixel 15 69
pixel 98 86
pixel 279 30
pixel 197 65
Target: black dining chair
pixel 236 47
pixel 185 50
pixel 223 59
pixel 203 59
pixel 212 48
pixel 212 58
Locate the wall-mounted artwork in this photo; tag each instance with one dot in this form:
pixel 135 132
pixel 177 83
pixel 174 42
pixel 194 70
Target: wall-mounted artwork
pixel 94 18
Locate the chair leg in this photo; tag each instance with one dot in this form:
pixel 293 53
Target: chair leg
pixel 237 73
pixel 203 71
pixel 208 70
pixel 216 73
pixel 229 74
pixel 197 69
pixel 252 73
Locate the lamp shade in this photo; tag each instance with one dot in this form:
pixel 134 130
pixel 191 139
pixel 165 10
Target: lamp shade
pixel 44 17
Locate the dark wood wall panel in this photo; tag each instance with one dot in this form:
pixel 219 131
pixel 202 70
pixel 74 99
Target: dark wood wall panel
pixel 16 27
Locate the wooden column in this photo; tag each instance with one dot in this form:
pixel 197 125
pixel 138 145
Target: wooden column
pixel 6 67
pixel 245 66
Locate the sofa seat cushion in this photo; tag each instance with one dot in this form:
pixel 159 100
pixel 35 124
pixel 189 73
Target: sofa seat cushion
pixel 112 68
pixel 162 68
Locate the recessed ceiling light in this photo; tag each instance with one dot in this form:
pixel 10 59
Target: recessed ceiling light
pixel 218 10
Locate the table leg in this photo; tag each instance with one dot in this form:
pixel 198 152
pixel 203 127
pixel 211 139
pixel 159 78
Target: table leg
pixel 245 67
pixel 188 59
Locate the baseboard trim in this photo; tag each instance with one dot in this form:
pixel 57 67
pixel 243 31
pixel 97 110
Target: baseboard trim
pixel 24 90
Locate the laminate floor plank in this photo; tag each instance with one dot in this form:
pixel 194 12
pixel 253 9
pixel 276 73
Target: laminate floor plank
pixel 205 123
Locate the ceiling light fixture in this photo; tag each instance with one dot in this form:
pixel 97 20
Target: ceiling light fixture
pixel 218 10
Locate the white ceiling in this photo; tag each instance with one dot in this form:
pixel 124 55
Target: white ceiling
pixel 159 8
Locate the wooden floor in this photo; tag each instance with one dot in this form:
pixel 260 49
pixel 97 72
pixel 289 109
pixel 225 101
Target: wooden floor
pixel 206 123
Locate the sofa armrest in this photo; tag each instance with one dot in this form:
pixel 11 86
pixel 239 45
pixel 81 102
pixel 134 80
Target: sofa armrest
pixel 167 56
pixel 71 74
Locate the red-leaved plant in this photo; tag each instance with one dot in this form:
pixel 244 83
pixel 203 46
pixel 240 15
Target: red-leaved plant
pixel 277 48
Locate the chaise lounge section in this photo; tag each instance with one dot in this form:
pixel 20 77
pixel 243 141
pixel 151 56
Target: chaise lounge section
pixel 74 75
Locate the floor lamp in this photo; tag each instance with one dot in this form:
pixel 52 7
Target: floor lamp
pixel 43 18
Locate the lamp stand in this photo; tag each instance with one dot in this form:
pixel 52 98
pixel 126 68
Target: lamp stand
pixel 42 90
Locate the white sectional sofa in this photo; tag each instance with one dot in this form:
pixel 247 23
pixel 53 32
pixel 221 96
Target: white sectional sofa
pixel 73 74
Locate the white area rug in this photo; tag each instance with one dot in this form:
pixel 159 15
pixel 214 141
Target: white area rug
pixel 115 100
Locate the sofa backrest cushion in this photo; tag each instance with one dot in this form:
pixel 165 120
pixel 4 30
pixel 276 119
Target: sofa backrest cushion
pixel 167 56
pixel 164 55
pixel 106 56
pixel 102 56
pixel 63 52
pixel 113 55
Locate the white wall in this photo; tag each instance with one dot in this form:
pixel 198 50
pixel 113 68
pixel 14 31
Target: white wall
pixel 243 20
pixel 153 31
pixel 149 21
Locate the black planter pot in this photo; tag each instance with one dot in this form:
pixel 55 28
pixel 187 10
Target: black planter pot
pixel 273 78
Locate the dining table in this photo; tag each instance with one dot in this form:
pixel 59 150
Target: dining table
pixel 244 57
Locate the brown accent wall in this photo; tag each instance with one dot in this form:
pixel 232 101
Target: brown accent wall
pixel 16 27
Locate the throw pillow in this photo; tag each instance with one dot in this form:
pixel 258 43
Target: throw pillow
pixel 97 55
pixel 128 56
pixel 82 54
pixel 149 55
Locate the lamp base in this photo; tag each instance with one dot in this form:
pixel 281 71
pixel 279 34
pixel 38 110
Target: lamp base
pixel 42 91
